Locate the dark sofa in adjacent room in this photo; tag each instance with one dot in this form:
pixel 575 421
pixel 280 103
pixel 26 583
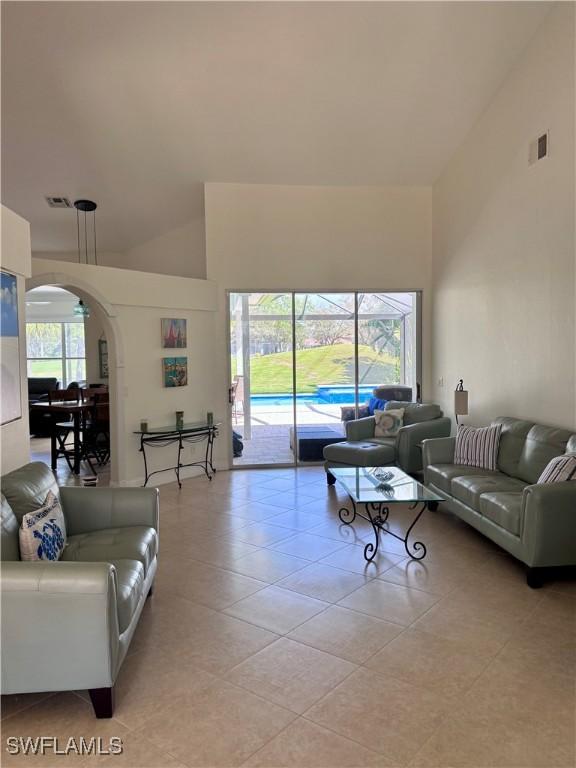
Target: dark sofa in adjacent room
pixel 38 389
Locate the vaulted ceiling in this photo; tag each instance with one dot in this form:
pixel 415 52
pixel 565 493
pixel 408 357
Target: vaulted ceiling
pixel 136 104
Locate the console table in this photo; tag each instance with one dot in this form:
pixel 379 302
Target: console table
pixel 160 437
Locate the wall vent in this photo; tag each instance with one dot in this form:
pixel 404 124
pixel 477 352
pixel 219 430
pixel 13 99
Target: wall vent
pixel 539 148
pixel 57 201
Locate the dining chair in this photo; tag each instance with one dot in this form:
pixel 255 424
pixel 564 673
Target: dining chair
pixel 61 430
pixel 237 396
pixel 96 443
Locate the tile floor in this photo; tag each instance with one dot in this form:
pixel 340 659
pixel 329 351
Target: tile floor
pixel 40 451
pixel 269 642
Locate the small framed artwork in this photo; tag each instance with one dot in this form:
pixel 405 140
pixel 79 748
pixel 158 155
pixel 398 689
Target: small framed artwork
pixel 10 403
pixel 173 333
pixel 103 358
pixel 175 370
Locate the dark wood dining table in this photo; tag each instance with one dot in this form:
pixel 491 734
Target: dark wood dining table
pixel 64 408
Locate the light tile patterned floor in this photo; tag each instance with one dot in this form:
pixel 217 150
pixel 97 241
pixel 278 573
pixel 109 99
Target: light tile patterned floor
pixel 269 642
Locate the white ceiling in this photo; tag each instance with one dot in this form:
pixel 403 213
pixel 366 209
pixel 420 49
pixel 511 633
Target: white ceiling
pixel 135 104
pixel 49 293
pixel 49 303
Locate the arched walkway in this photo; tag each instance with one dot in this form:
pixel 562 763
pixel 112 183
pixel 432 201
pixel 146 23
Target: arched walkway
pixel 105 313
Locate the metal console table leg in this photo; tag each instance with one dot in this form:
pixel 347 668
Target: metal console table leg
pixel 180 437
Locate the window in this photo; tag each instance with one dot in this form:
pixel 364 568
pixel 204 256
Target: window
pixel 56 349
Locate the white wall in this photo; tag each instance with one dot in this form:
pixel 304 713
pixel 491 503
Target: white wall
pixel 144 393
pixel 105 258
pixel 129 306
pixel 180 251
pixel 15 258
pixel 267 237
pixel 503 253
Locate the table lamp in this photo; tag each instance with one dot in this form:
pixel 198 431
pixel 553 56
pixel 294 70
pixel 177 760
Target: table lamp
pixel 460 400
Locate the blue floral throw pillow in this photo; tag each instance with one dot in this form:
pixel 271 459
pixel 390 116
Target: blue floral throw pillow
pixel 43 532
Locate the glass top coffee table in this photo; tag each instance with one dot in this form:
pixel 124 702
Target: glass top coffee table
pixel 376 489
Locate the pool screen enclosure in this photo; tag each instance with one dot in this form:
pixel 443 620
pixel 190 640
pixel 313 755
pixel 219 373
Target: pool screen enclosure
pixel 301 364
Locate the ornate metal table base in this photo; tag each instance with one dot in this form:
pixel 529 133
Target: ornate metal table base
pixel 377 515
pixel 181 438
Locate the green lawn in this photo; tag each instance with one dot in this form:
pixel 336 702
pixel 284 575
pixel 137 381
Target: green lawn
pixel 44 368
pixel 272 374
pixel 53 368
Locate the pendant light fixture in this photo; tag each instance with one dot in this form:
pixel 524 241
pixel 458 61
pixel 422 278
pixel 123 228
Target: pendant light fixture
pixel 81 309
pixel 87 253
pixel 86 242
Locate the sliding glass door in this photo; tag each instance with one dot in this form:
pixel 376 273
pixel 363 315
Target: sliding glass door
pixel 325 362
pixel 301 364
pixel 262 377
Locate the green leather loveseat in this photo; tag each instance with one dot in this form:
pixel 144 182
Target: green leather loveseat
pixel 67 625
pixel 534 523
pixel 363 449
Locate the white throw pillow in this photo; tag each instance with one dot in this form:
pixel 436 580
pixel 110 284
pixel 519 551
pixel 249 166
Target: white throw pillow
pixel 559 469
pixel 388 423
pixel 43 532
pixel 478 446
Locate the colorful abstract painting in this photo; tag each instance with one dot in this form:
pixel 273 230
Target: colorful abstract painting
pixel 175 371
pixel 10 403
pixel 173 333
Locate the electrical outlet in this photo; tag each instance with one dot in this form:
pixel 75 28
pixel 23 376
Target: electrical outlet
pixel 441 381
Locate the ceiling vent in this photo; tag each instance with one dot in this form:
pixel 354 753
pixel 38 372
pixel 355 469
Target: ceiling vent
pixel 58 202
pixel 539 148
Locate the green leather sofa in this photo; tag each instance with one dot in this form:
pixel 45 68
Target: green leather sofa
pixel 534 523
pixel 363 449
pixel 67 625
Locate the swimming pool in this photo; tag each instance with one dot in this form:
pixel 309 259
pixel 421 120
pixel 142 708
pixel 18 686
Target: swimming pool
pixel 324 395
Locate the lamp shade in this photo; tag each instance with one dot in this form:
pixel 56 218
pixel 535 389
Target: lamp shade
pixel 461 402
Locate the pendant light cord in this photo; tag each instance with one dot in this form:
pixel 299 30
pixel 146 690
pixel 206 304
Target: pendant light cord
pixel 87 206
pixel 85 238
pixel 78 232
pixel 95 256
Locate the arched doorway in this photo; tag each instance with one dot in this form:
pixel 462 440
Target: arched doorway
pixel 104 312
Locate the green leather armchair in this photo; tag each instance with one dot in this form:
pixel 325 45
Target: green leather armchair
pixel 67 625
pixel 362 449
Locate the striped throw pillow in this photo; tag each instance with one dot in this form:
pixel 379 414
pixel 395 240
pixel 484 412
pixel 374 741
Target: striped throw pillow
pixel 560 469
pixel 477 446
